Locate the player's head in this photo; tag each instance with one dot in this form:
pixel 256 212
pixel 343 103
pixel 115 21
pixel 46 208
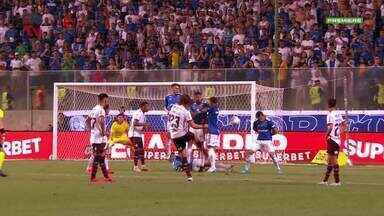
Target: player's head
pixel 260 116
pixel 213 101
pixel 144 106
pixel 185 100
pixel 122 109
pixel 120 118
pixel 332 103
pixel 175 88
pixel 103 99
pixel 197 96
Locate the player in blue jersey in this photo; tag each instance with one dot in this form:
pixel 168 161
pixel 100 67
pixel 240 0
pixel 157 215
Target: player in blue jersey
pixel 265 129
pixel 173 98
pixel 169 101
pixel 213 135
pixel 198 111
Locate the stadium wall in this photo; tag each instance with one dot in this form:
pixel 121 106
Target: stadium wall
pixel 293 147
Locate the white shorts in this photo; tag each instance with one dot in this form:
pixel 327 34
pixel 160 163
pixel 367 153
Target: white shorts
pixel 198 133
pixel 212 140
pixel 97 138
pixel 262 145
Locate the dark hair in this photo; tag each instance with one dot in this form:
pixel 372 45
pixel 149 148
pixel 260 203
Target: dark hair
pixel 120 114
pixel 174 84
pixel 332 103
pixel 259 114
pixel 197 92
pixel 185 99
pixel 213 100
pixel 142 104
pixel 102 96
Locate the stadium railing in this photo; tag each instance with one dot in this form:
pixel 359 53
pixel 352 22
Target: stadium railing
pixel 31 93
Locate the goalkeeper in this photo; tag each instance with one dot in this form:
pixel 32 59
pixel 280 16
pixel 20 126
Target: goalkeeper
pixel 119 132
pixel 2 138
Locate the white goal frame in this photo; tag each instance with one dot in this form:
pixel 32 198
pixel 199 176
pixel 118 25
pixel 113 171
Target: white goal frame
pixel 252 111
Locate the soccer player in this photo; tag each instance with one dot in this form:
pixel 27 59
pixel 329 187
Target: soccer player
pixel 199 164
pixel 108 121
pixel 173 98
pixel 169 101
pixel 199 116
pixel 136 134
pixel 179 121
pixel 98 138
pixel 335 124
pixel 2 139
pixel 265 130
pixel 213 135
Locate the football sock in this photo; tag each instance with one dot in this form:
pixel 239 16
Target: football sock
pixel 2 159
pixel 141 155
pixel 136 156
pixel 106 161
pixel 94 166
pixel 189 154
pixel 103 167
pixel 90 162
pixel 186 167
pixel 336 173
pixel 327 173
pixel 274 160
pixel 212 157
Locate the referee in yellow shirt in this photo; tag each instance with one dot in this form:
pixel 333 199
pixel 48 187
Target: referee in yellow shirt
pixel 2 139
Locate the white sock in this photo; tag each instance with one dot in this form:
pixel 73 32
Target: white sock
pixel 106 164
pixel 250 160
pixel 189 155
pixel 274 160
pixel 90 162
pixel 212 157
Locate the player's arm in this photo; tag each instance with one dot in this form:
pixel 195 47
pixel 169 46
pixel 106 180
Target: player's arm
pixel 101 125
pixel 196 126
pixel 166 104
pixel 255 124
pixel 329 126
pixel 88 123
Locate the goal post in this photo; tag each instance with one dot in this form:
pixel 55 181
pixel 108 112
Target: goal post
pixel 73 102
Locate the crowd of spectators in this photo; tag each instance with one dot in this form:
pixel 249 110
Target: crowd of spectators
pixel 124 35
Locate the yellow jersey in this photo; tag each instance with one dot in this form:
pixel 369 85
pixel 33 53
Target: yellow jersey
pixel 118 130
pixel 2 114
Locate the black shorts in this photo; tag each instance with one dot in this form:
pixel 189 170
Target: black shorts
pixel 332 147
pixel 137 141
pixel 181 142
pixel 98 148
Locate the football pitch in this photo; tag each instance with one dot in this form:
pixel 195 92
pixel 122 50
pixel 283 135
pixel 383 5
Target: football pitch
pixel 56 188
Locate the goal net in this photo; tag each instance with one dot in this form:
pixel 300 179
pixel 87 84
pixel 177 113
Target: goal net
pixel 73 102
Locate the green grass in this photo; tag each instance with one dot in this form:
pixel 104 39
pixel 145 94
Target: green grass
pixel 51 188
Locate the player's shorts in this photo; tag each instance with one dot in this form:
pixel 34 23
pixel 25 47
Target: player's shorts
pixel 97 138
pixel 212 140
pixel 332 147
pixel 137 142
pixel 98 148
pixel 262 145
pixel 123 139
pixel 198 133
pixel 181 142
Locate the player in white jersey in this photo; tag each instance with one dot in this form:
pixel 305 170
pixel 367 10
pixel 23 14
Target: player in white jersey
pixel 335 125
pixel 136 134
pixel 179 121
pixel 98 138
